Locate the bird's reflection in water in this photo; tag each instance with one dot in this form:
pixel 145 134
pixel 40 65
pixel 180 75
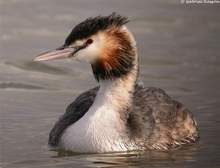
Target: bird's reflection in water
pixel 136 158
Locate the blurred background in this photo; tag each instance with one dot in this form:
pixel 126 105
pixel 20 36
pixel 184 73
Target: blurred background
pixel 179 52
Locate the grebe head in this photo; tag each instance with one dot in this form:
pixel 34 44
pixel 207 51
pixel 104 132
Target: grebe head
pixel 104 42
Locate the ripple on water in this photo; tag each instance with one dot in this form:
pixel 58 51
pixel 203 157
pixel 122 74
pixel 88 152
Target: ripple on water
pixel 16 85
pixel 37 66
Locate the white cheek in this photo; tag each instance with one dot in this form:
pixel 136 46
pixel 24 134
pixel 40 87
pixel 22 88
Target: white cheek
pixel 89 54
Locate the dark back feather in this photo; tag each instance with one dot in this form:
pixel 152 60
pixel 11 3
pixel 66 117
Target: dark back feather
pixel 74 112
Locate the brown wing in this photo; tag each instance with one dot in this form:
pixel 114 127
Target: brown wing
pixel 159 121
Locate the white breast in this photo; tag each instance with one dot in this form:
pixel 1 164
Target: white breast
pixel 94 134
pixel 99 130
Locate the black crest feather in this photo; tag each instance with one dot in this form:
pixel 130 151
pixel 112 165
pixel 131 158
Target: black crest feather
pixel 92 25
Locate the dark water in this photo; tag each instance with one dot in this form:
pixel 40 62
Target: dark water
pixel 179 49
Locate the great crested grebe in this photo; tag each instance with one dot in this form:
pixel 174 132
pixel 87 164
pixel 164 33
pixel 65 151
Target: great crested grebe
pixel 119 114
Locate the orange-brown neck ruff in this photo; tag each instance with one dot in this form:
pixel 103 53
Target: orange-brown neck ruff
pixel 117 57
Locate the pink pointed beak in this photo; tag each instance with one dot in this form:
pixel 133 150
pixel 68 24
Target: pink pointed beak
pixel 59 53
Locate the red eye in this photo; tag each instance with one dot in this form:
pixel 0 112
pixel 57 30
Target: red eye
pixel 89 41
